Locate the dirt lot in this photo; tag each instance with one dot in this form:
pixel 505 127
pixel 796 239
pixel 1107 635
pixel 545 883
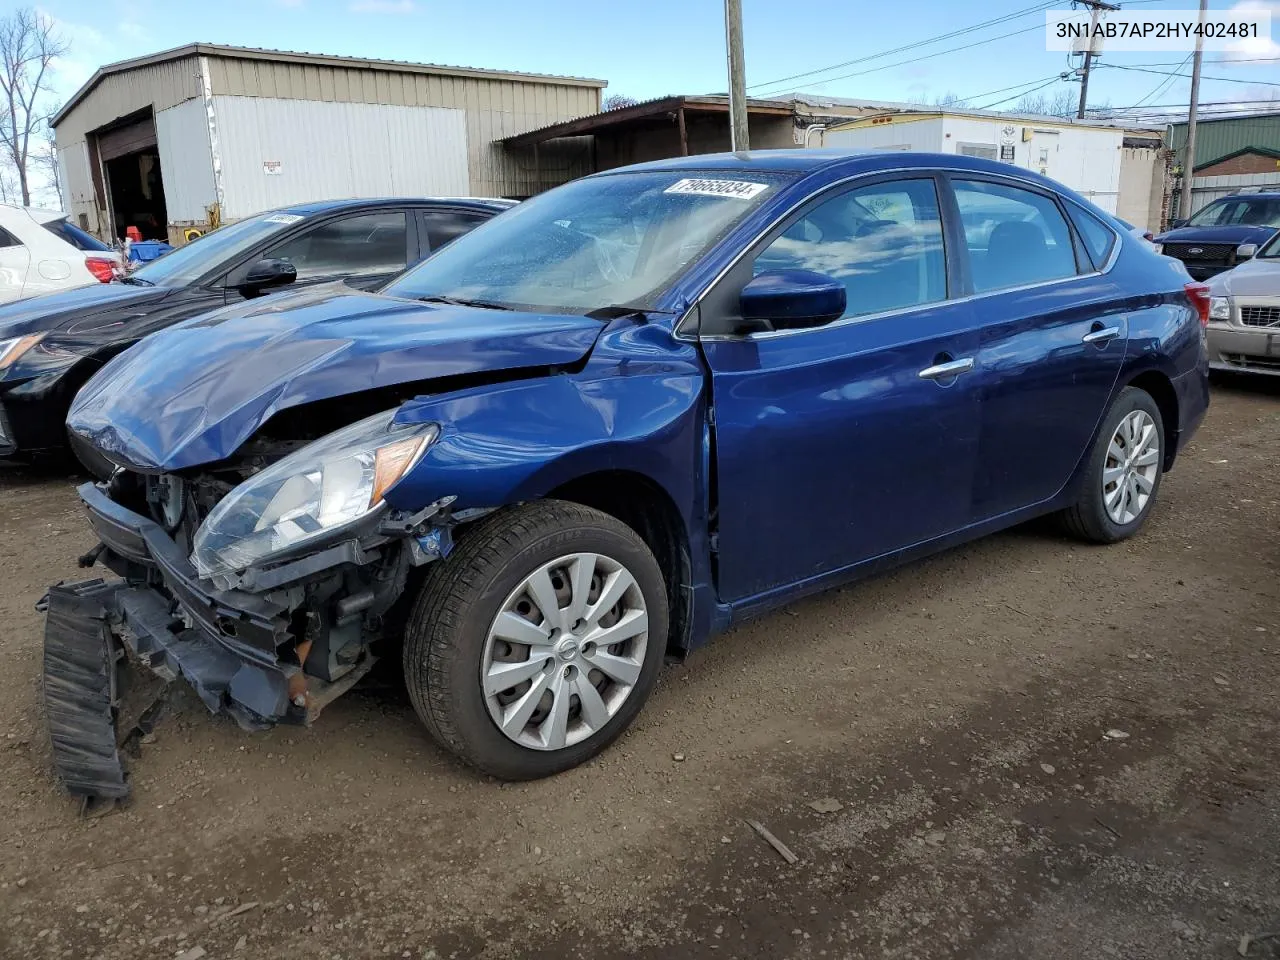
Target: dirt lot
pixel 957 711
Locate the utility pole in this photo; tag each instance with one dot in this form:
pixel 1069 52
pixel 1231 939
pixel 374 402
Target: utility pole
pixel 1094 6
pixel 738 139
pixel 1189 164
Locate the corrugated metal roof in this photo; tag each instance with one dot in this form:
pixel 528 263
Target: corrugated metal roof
pixel 314 59
pixel 1218 137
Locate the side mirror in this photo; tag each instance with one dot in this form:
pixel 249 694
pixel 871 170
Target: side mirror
pixel 1176 224
pixel 1246 250
pixel 792 299
pixel 266 274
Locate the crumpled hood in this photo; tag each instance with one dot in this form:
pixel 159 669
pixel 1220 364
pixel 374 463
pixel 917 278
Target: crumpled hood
pixel 194 393
pixel 1235 233
pixel 58 311
pixel 1253 278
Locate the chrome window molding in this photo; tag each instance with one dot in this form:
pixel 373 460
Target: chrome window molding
pixel 681 331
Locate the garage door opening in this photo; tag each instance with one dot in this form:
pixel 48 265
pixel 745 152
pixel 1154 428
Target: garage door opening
pixel 136 189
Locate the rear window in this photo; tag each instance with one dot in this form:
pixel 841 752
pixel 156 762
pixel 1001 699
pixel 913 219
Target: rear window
pixel 74 235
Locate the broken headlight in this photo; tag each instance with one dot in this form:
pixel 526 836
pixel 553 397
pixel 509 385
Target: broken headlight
pixel 309 495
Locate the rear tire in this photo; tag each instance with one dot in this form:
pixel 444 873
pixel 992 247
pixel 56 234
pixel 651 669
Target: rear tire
pixel 462 639
pixel 1122 478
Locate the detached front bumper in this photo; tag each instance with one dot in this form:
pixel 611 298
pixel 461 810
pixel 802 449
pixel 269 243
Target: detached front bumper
pixel 163 618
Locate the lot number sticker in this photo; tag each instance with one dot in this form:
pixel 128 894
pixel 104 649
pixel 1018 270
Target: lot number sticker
pixel 738 189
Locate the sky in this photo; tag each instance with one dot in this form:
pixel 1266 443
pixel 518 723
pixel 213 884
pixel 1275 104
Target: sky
pixel 658 47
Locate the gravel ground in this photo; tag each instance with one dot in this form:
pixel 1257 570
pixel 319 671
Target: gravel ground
pixel 933 746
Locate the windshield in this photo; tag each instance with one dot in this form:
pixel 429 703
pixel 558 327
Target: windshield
pixel 615 240
pixel 189 263
pixel 1241 211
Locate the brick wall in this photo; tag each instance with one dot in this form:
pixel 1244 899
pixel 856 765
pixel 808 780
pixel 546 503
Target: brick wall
pixel 1245 163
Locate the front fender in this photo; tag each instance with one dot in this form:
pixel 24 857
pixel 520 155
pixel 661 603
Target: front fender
pixel 636 405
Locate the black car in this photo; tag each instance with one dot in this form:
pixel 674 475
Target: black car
pixel 50 345
pixel 1223 233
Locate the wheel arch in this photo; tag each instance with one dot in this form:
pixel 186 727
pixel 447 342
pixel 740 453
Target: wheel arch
pixel 647 508
pixel 1158 385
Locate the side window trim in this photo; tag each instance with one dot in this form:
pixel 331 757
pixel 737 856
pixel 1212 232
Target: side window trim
pixel 747 258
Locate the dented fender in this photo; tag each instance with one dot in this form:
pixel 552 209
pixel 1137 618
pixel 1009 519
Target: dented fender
pixel 639 404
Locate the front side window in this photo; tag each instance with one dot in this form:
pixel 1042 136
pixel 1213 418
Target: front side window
pixel 1014 237
pixel 883 242
pixel 368 243
pixel 188 263
pixel 611 240
pixel 1243 211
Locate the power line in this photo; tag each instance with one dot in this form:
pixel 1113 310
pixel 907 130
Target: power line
pixel 1024 93
pixel 1017 14
pixel 940 53
pixel 1164 84
pixel 1165 73
pixel 990 93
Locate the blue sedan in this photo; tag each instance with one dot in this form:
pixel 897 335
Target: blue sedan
pixel 607 425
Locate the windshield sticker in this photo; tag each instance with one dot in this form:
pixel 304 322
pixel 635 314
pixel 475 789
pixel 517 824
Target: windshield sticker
pixel 738 189
pixel 284 218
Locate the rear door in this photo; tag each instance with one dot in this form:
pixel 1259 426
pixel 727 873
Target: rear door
pixel 844 442
pixel 1052 342
pixel 15 261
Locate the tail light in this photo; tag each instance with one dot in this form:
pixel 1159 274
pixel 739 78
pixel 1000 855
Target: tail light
pixel 103 269
pixel 1198 294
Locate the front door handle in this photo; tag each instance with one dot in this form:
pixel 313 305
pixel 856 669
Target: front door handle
pixel 943 371
pixel 1101 335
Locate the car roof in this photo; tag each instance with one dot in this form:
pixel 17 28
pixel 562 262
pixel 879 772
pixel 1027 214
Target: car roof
pixel 376 203
pixel 806 161
pixel 1264 195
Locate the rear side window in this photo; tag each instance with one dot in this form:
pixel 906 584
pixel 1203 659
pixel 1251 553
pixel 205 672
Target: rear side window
pixel 1015 237
pixel 444 226
pixel 74 235
pixel 883 242
pixel 368 243
pixel 7 239
pixel 1099 239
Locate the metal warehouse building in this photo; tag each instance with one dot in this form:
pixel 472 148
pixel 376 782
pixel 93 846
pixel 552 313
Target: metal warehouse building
pixel 200 134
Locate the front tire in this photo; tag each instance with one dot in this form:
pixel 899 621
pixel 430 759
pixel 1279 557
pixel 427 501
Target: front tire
pixel 1125 466
pixel 537 641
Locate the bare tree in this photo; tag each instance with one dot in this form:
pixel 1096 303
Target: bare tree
pixel 950 99
pixel 28 48
pixel 1059 102
pixel 616 101
pixel 44 157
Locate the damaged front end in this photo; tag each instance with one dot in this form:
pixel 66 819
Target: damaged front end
pixel 265 585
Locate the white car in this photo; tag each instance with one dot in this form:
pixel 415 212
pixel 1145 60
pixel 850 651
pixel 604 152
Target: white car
pixel 41 251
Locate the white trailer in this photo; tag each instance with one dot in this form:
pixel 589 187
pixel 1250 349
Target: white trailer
pixel 1085 158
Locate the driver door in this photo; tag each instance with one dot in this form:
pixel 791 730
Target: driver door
pixel 839 444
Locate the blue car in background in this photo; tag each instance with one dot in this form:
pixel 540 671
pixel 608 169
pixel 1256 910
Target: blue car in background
pixel 605 426
pixel 1223 233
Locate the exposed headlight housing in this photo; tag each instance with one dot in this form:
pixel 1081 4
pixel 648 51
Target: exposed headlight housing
pixel 313 494
pixel 1219 308
pixel 13 348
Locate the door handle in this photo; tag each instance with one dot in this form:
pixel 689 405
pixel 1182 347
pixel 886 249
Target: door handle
pixel 943 371
pixel 1102 335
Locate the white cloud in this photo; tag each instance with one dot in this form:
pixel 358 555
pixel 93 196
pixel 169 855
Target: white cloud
pixel 1261 47
pixel 383 6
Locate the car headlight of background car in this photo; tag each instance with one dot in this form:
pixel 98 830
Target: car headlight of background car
pixel 1220 308
pixel 11 350
pixel 310 495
